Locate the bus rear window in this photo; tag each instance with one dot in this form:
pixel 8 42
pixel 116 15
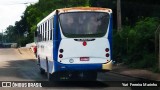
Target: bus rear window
pixel 84 24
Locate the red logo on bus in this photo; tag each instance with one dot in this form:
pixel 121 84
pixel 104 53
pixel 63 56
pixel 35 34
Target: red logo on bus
pixel 84 43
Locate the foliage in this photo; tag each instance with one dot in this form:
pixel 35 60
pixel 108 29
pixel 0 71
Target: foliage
pixel 34 14
pixel 135 45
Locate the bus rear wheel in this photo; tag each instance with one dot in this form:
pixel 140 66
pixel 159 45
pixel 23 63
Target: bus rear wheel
pixel 51 77
pixel 42 71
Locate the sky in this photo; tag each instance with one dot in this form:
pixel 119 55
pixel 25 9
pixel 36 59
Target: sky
pixel 11 11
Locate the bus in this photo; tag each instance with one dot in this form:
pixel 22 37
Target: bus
pixel 75 43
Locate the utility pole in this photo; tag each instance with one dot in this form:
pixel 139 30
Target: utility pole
pixel 119 22
pixel 159 53
pixel 2 36
pixel 157 45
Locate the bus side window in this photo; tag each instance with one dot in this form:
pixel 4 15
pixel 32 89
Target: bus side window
pixel 40 35
pixel 38 32
pixel 42 32
pixel 51 31
pixel 48 30
pixel 51 28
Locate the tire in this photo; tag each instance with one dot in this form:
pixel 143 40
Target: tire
pixel 42 71
pixel 49 76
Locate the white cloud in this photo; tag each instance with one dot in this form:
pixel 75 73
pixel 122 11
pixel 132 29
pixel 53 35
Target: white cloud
pixel 11 11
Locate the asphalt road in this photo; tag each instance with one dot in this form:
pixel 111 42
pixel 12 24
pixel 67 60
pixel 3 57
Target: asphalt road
pixel 20 65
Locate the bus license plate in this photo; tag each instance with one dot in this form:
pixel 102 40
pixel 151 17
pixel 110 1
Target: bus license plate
pixel 84 58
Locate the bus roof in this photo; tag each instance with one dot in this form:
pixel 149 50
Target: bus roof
pixel 84 9
pixel 74 9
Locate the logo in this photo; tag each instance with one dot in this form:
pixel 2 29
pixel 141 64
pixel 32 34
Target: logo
pixel 6 84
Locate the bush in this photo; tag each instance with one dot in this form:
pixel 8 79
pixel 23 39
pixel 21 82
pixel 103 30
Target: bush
pixel 135 45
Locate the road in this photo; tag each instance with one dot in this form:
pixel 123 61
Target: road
pixel 20 65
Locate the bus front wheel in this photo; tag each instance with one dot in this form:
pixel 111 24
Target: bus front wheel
pixel 51 77
pixel 42 71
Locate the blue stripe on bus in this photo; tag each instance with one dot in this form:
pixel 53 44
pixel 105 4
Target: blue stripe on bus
pixel 80 67
pixel 56 41
pixel 110 35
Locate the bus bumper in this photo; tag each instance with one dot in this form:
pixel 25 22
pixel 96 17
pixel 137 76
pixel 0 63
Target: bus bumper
pixel 83 67
pixel 107 66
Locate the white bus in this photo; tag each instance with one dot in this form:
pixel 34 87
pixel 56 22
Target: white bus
pixel 75 43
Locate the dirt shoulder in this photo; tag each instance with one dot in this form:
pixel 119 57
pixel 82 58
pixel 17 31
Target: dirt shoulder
pixel 140 73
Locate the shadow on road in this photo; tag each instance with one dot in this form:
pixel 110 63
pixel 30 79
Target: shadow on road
pixel 145 88
pixel 75 84
pixel 20 70
pixel 27 70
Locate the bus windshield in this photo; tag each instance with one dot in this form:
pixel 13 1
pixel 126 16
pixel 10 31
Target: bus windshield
pixel 84 24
